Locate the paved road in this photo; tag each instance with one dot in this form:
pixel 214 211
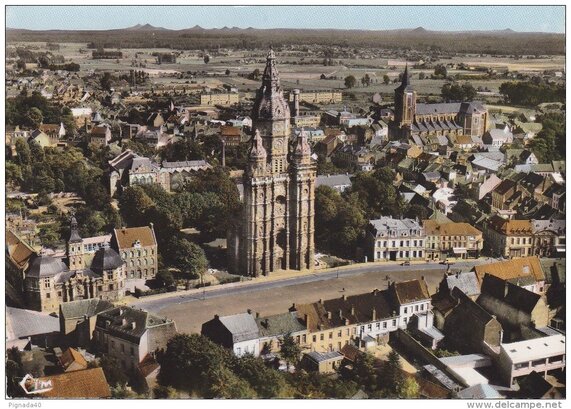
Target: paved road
pixel 191 310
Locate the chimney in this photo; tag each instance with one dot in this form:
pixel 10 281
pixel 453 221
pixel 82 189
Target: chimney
pixel 374 315
pixel 340 313
pixel 249 311
pixel 321 301
pixel 422 278
pixel 124 322
pixel 121 311
pixel 266 323
pixel 328 315
pixel 133 325
pixel 352 310
pixel 319 327
pixel 346 321
pixel 216 316
pixel 375 291
pixel 293 306
pixel 306 319
pixel 257 315
pixel 344 297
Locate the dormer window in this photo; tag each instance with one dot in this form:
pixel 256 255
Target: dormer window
pixel 137 244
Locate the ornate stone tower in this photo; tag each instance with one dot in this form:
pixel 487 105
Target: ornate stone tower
pixel 73 248
pixel 278 228
pixel 405 102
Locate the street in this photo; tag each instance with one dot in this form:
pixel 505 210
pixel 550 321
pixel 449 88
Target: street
pixel 190 311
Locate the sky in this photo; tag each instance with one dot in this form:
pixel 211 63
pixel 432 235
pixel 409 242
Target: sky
pixel 442 18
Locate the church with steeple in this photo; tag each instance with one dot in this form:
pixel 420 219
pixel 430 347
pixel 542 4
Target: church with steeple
pixel 276 231
pixel 436 123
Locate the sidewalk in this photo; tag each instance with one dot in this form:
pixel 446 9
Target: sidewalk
pixel 276 276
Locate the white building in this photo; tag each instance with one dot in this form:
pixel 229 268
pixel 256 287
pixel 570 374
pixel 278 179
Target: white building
pixel 539 354
pixel 396 239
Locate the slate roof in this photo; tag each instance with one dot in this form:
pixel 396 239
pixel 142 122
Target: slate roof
pixel 45 266
pixel 81 308
pixel 112 322
pixel 471 309
pixel 324 356
pixel 511 294
pixel 480 391
pixel 24 323
pixel 88 383
pixel 127 236
pixel 355 309
pixel 106 259
pixel 242 326
pixel 466 281
pixel 280 324
pixel 342 179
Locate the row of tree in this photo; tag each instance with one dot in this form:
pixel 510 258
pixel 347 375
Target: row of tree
pixel 531 94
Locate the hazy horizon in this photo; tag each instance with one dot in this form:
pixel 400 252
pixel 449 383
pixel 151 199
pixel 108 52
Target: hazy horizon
pixel 524 19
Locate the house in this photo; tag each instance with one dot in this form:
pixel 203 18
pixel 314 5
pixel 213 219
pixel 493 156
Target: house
pixel 340 182
pixel 232 136
pixel 497 137
pixel 72 360
pixel 525 272
pixel 137 247
pixel 100 135
pixel 322 362
pixel 488 185
pixel 502 192
pixel 542 355
pixel 465 281
pixel 395 239
pixel 18 251
pixel 77 320
pixel 509 238
pixel 452 239
pixel 513 306
pixel 130 335
pixel 238 332
pixel 85 384
pixel 548 238
pixel 273 328
pixel 363 319
pixel 469 328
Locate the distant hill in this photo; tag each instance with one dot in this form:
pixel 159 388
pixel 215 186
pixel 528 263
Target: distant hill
pixel 485 42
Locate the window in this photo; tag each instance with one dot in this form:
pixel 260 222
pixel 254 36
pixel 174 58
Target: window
pixel 321 337
pixel 394 323
pixel 378 325
pixel 416 307
pixel 340 334
pixel 304 338
pixel 405 319
pixel 315 338
pixel 385 325
pixel 369 327
pixel 421 307
pixel 347 331
pixel 48 295
pixel 331 335
pixel 238 351
pixel 47 283
pixel 405 310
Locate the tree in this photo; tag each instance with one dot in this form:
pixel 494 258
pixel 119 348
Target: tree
pixel 409 389
pixel 391 379
pixel 163 392
pixel 34 117
pixel 440 71
pixel 457 92
pixel 227 72
pixel 255 75
pixel 165 278
pixel 206 59
pixel 366 80
pixel 106 81
pixel 386 79
pixel 417 211
pixel 266 382
pixel 421 76
pixel 290 350
pixel 113 373
pixel 364 372
pixel 188 257
pixel 350 81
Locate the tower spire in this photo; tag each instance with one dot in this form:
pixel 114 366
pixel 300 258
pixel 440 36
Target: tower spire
pixel 405 77
pixel 74 236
